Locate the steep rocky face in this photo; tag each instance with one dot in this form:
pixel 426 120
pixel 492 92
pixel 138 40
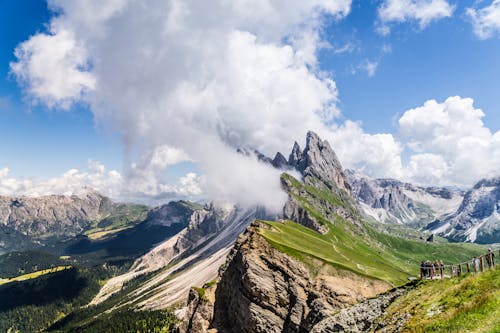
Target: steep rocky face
pixel 478 217
pixel 264 290
pixel 318 161
pixel 53 215
pixel 171 213
pixel 362 317
pixel 321 172
pixel 329 203
pixel 280 162
pixel 392 201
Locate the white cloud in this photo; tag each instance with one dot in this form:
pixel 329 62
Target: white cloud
pixel 421 11
pixel 377 155
pixel 449 143
pixel 486 20
pixel 370 67
pixel 191 80
pixel 200 77
pixel 53 68
pixel 110 183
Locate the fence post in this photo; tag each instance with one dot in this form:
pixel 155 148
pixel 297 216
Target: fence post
pixel 481 263
pixel 468 267
pixel 459 271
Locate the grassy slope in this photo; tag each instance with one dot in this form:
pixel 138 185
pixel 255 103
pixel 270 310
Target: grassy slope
pixel 116 218
pixel 362 250
pixel 466 304
pixel 34 275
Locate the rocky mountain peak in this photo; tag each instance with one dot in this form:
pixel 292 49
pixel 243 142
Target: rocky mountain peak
pixel 295 155
pixel 280 161
pixel 318 160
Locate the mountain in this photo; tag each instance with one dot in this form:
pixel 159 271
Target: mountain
pixel 297 273
pixel 191 257
pixel 318 266
pixel 393 201
pixel 478 217
pixel 39 221
pixel 52 215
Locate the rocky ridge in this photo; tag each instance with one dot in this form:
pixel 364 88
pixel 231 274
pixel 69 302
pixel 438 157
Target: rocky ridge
pixel 393 201
pixel 478 217
pixel 52 215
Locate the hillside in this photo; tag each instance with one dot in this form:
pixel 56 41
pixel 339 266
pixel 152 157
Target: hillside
pixel 470 303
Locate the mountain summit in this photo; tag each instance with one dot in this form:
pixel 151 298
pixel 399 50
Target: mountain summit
pixel 318 160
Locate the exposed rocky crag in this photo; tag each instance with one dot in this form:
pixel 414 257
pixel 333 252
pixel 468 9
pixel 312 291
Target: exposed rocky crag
pixel 318 161
pixel 52 215
pixel 393 201
pixel 321 170
pixel 362 317
pixel 478 217
pixel 265 290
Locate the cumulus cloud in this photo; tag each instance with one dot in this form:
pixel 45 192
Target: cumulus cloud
pixel 421 11
pixel 200 77
pixel 486 20
pixel 110 183
pixel 377 155
pixel 52 67
pixel 449 143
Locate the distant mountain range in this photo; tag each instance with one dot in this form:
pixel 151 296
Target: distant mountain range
pixel 471 216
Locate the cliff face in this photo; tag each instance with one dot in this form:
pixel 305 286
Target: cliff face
pixel 393 201
pixel 262 289
pixel 53 215
pixel 478 217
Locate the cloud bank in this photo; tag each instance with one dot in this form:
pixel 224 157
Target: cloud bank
pixel 109 183
pixel 192 81
pixel 202 78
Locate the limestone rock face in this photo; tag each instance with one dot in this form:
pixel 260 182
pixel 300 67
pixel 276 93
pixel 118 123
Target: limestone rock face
pixel 264 290
pixel 319 161
pixel 51 215
pixel 393 201
pixel 295 156
pixel 198 314
pixel 359 318
pixel 280 162
pixel 478 217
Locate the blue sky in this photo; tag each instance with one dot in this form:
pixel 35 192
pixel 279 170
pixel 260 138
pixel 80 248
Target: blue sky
pixel 412 64
pixel 41 142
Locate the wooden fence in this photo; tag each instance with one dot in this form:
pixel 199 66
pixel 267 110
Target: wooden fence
pixel 433 270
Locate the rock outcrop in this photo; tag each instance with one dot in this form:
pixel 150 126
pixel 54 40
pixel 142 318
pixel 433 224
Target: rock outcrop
pixel 52 215
pixel 362 317
pixel 264 290
pixel 318 161
pixel 321 170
